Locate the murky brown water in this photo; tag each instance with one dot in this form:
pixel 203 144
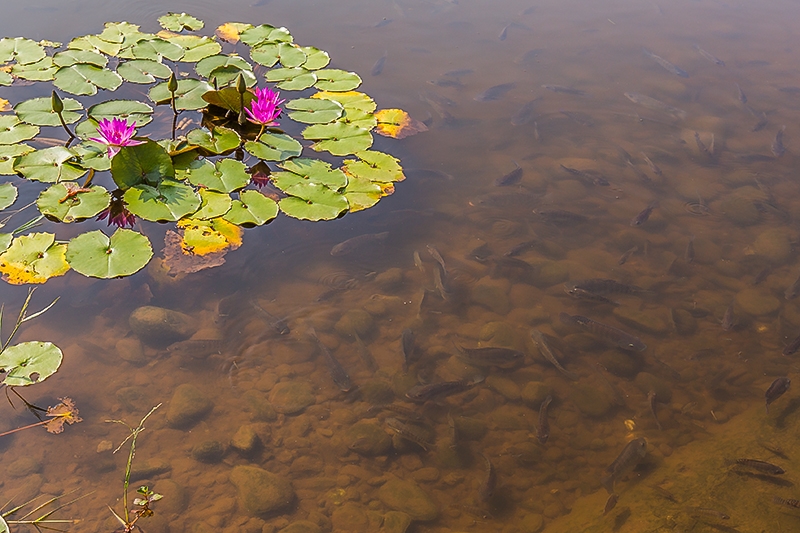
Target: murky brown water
pixel 711 179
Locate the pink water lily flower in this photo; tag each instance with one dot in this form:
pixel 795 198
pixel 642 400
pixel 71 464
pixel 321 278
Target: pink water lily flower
pixel 264 108
pixel 115 134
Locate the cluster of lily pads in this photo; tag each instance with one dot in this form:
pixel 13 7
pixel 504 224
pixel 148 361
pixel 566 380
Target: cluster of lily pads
pixel 227 173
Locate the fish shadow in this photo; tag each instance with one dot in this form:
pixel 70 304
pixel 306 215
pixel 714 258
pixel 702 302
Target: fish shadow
pixel 790 409
pixel 780 482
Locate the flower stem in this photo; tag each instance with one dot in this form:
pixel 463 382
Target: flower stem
pixel 9 432
pixel 64 124
pixel 88 179
pixel 260 133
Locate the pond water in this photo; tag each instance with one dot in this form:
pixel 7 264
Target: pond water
pixel 648 142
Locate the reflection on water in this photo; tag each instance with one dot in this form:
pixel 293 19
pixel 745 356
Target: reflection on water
pixel 569 144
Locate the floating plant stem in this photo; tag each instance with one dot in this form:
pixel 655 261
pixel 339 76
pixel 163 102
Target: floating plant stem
pixel 241 88
pixel 58 109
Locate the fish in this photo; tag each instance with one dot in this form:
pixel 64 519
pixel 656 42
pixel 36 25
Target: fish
pixel 791 348
pixel 790 90
pixel 616 336
pixel 583 294
pixel 436 256
pixel 611 502
pixel 761 466
pixel 495 92
pixel 446 82
pixel 525 113
pixel 590 176
pixel 354 243
pixel 643 215
pixel 440 284
pixel 544 348
pixel 480 253
pixel 402 410
pixel 512 178
pixel 651 399
pixel 521 248
pixel 787 502
pixel 489 484
pixel 793 290
pixel 274 322
pixel 776 390
pixel 627 255
pixel 530 56
pixel 196 348
pixel 338 373
pixel 434 391
pixel 560 217
pixel 708 512
pixel 742 96
pixel 708 55
pixel 579 118
pixel 365 354
pixel 458 73
pixel 410 433
pixel 377 68
pixel 761 124
pixel 688 255
pixel 491 356
pixel 702 147
pixel 604 286
pixel 383 22
pixel 761 275
pixel 656 105
pixel 653 167
pixel 666 65
pixel 564 90
pixel 728 319
pixel 407 344
pixel 627 460
pixel 418 262
pixel 543 427
pixel 777 144
pixel 504 32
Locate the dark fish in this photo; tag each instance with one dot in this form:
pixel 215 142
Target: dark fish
pixel 384 22
pixel 544 348
pixel 354 243
pixel 604 286
pixel 274 322
pixel 458 73
pixel 643 215
pixel 708 512
pixel 407 343
pixel 761 275
pixel 611 502
pixel 589 176
pixel 559 217
pixel 402 410
pixel 583 294
pixel 777 144
pixel 525 113
pixel 579 118
pixel 365 354
pixel 512 178
pixel 439 282
pixel 504 32
pixel 491 356
pixel 651 399
pixel 627 460
pixel 787 502
pixel 521 248
pixel 564 90
pixel 410 433
pixel 728 319
pixel 620 338
pixel 761 124
pixel 656 105
pixel 701 145
pixel 495 92
pixel 776 390
pixel 480 253
pixel 688 255
pixel 530 56
pixel 543 427
pixel 486 490
pixel 666 64
pixel 433 391
pixel 791 348
pixel 790 90
pixel 761 466
pixel 793 290
pixel 709 56
pixel 377 68
pixel 653 167
pixel 338 373
pixel 627 255
pixel 742 96
pixel 446 82
pixel 196 348
pixel 436 256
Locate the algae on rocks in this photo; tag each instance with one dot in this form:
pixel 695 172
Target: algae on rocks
pixel 261 492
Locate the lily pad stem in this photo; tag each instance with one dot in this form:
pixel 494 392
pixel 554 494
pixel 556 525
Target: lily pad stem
pixel 260 133
pixel 89 179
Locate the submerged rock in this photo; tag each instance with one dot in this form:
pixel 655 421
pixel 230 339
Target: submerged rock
pixel 159 326
pixel 757 302
pixel 649 321
pixel 261 492
pixel 774 245
pixel 130 349
pixel 396 522
pixel 301 526
pixel 407 497
pixel 210 451
pixel 291 397
pixel 245 441
pixel 355 321
pixel 187 406
pixel 590 400
pixel 492 293
pixel 366 438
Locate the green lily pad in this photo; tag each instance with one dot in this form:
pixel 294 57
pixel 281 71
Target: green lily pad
pixel 357 117
pixel 96 44
pixel 291 79
pixel 265 33
pixel 227 176
pixel 154 49
pixel 225 75
pixel 195 47
pixel 335 80
pixel 131 110
pixel 24 51
pixel 144 163
pixel 189 95
pixel 228 98
pixel 374 166
pixel 92 154
pixel 212 204
pixel 274 147
pixel 8 195
pixel 180 21
pixel 67 58
pixel 123 33
pixel 29 362
pixel 313 201
pixel 85 79
pixel 62 203
pixel 362 194
pixel 314 110
pixel 310 170
pixel 315 58
pixel 3 525
pixel 43 70
pixel 96 255
pixel 169 201
pixel 33 258
pixel 39 111
pixel 50 165
pixel 143 70
pixel 251 209
pixel 8 152
pixel 206 66
pixel 349 99
pixel 216 142
pixel 5 241
pixel 338 138
pixel 6 79
pixel 270 53
pixel 12 131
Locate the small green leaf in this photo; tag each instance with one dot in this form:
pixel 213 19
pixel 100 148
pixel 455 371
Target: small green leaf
pixel 338 138
pixel 212 204
pixel 92 154
pixel 50 165
pixel 179 21
pixel 33 258
pixel 96 255
pixel 206 66
pixel 228 98
pixel 61 203
pixel 252 209
pixel 24 51
pixel 315 58
pixel 265 33
pixel 143 70
pixel 144 163
pixel 5 241
pixel 274 147
pixel 169 201
pixel 6 79
pixel 95 43
pixel 227 176
pixel 195 47
pixel 155 49
pixel 336 80
pixel 270 53
pixel 357 117
pixel 12 131
pixel 8 195
pixel 43 70
pixel 67 58
pixel 374 166
pixel 313 201
pixel 8 152
pixel 131 110
pixel 84 79
pixel 291 79
pixel 362 194
pixel 349 99
pixel 39 111
pixel 314 110
pixel 29 362
pixel 310 170
pixel 189 95
pixel 220 141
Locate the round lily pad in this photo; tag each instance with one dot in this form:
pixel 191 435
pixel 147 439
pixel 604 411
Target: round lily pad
pixel 39 111
pixel 29 362
pixel 50 165
pixel 338 138
pixel 96 255
pixel 216 142
pixel 195 47
pixel 131 110
pixel 229 98
pixel 251 209
pixel 85 79
pixel 155 49
pixel 179 22
pixel 291 79
pixel 315 58
pixel 362 193
pixel 312 201
pixel 274 147
pixel 42 70
pixel 359 118
pixel 94 42
pixel 212 204
pixel 227 176
pixel 336 80
pixel 189 95
pixel 374 166
pixel 309 170
pixel 206 66
pixel 33 258
pixel 229 32
pixel 265 33
pixel 5 241
pixel 270 53
pixel 8 152
pixel 314 111
pixel 24 51
pixel 349 99
pixel 169 201
pixel 12 131
pixel 67 58
pixel 203 237
pixel 144 163
pixel 143 70
pixel 8 195
pixel 66 202
pixel 91 154
pixel 3 525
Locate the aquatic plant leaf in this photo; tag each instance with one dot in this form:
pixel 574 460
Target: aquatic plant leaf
pixel 314 111
pixel 397 124
pixel 24 51
pixel 203 237
pixel 313 170
pixel 121 32
pixel 8 195
pixel 95 43
pixel 338 138
pixel 362 194
pixel 67 58
pixel 265 33
pixel 5 241
pixel 349 100
pixel 43 70
pixel 335 80
pixel 227 74
pixel 155 49
pixel 131 110
pixel 49 165
pixel 189 95
pixel 212 204
pixel 63 413
pixel 229 32
pixel 5 105
pixel 6 79
pixel 359 118
pixel 33 258
pixel 12 131
pixel 39 111
pixel 195 47
pixel 143 71
pixel 180 21
pixel 228 98
pixel 30 362
pixel 91 154
pixel 374 166
pixel 3 525
pixel 251 209
pixel 206 66
pixel 95 255
pixel 67 202
pixel 144 163
pixel 169 201
pixel 8 152
pixel 274 147
pixel 268 54
pixel 313 201
pixel 291 79
pixel 315 58
pixel 290 55
pixel 84 79
pixel 226 176
pixel 216 142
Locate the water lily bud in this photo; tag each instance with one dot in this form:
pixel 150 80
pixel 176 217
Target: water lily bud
pixel 56 103
pixel 241 85
pixel 172 83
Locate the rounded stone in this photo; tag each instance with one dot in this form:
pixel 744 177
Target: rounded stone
pixel 209 451
pixel 261 492
pixel 774 245
pixel 366 438
pixel 685 323
pixel 396 522
pixel 407 497
pixel 550 274
pixel 590 401
pixel 531 523
pixel 534 393
pixel 159 326
pixel 492 293
pixel 245 441
pixel 187 406
pixel 389 280
pixel 178 499
pixel 503 386
pixel 739 210
pixel 650 320
pixel 621 363
pixel 355 321
pixel 291 397
pixel 757 302
pixel 350 517
pixel 377 392
pixel 301 526
pixel 24 466
pixel 130 349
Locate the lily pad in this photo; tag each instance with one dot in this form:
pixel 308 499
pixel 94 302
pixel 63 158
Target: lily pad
pixel 143 70
pixel 335 80
pixel 338 138
pixel 374 166
pixel 131 110
pixel 212 204
pixel 195 47
pixel 274 147
pixel 203 237
pixel 208 65
pixel 270 53
pixel 169 201
pixel 315 58
pixel 180 21
pixel 314 111
pixel 96 255
pixel 309 170
pixel 43 70
pixel 228 98
pixel 154 49
pixel 8 195
pixel 5 241
pixel 50 165
pixel 189 95
pixel 229 32
pixel 349 99
pixel 8 152
pixel 67 58
pixel 227 176
pixel 6 79
pixel 216 142
pixel 29 362
pixel 12 131
pixel 397 124
pixel 85 79
pixel 39 111
pixel 265 33
pixel 359 118
pixel 251 209
pixel 33 258
pixel 66 202
pixel 291 79
pixel 144 163
pixel 313 201
pixel 95 43
pixel 24 51
pixel 362 194
pixel 92 154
